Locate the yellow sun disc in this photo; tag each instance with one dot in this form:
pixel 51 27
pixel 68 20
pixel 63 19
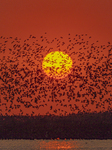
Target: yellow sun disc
pixel 57 64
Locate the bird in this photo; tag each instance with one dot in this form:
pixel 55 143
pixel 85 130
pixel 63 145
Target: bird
pixel 25 85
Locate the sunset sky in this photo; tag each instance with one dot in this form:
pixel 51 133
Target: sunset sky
pixel 54 25
pixel 57 17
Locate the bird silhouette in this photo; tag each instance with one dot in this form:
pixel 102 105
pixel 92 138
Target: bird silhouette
pixel 25 86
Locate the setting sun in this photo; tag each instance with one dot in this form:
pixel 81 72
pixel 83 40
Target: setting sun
pixel 57 64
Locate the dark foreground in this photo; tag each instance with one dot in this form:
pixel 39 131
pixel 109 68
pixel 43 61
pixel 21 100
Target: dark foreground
pixel 80 126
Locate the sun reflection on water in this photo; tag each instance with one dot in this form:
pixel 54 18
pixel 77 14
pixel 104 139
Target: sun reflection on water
pixel 58 144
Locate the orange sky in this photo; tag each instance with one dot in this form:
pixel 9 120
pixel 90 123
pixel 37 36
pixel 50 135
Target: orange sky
pixel 58 17
pixel 22 18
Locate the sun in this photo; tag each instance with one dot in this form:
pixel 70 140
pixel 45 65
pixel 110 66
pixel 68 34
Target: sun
pixel 57 64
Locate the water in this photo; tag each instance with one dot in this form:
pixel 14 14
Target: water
pixel 55 144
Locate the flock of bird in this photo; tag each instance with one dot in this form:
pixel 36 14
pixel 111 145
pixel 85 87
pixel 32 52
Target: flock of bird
pixel 26 88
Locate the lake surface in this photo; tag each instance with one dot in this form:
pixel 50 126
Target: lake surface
pixel 56 144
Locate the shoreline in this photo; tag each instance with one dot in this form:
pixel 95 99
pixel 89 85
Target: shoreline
pixel 75 126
